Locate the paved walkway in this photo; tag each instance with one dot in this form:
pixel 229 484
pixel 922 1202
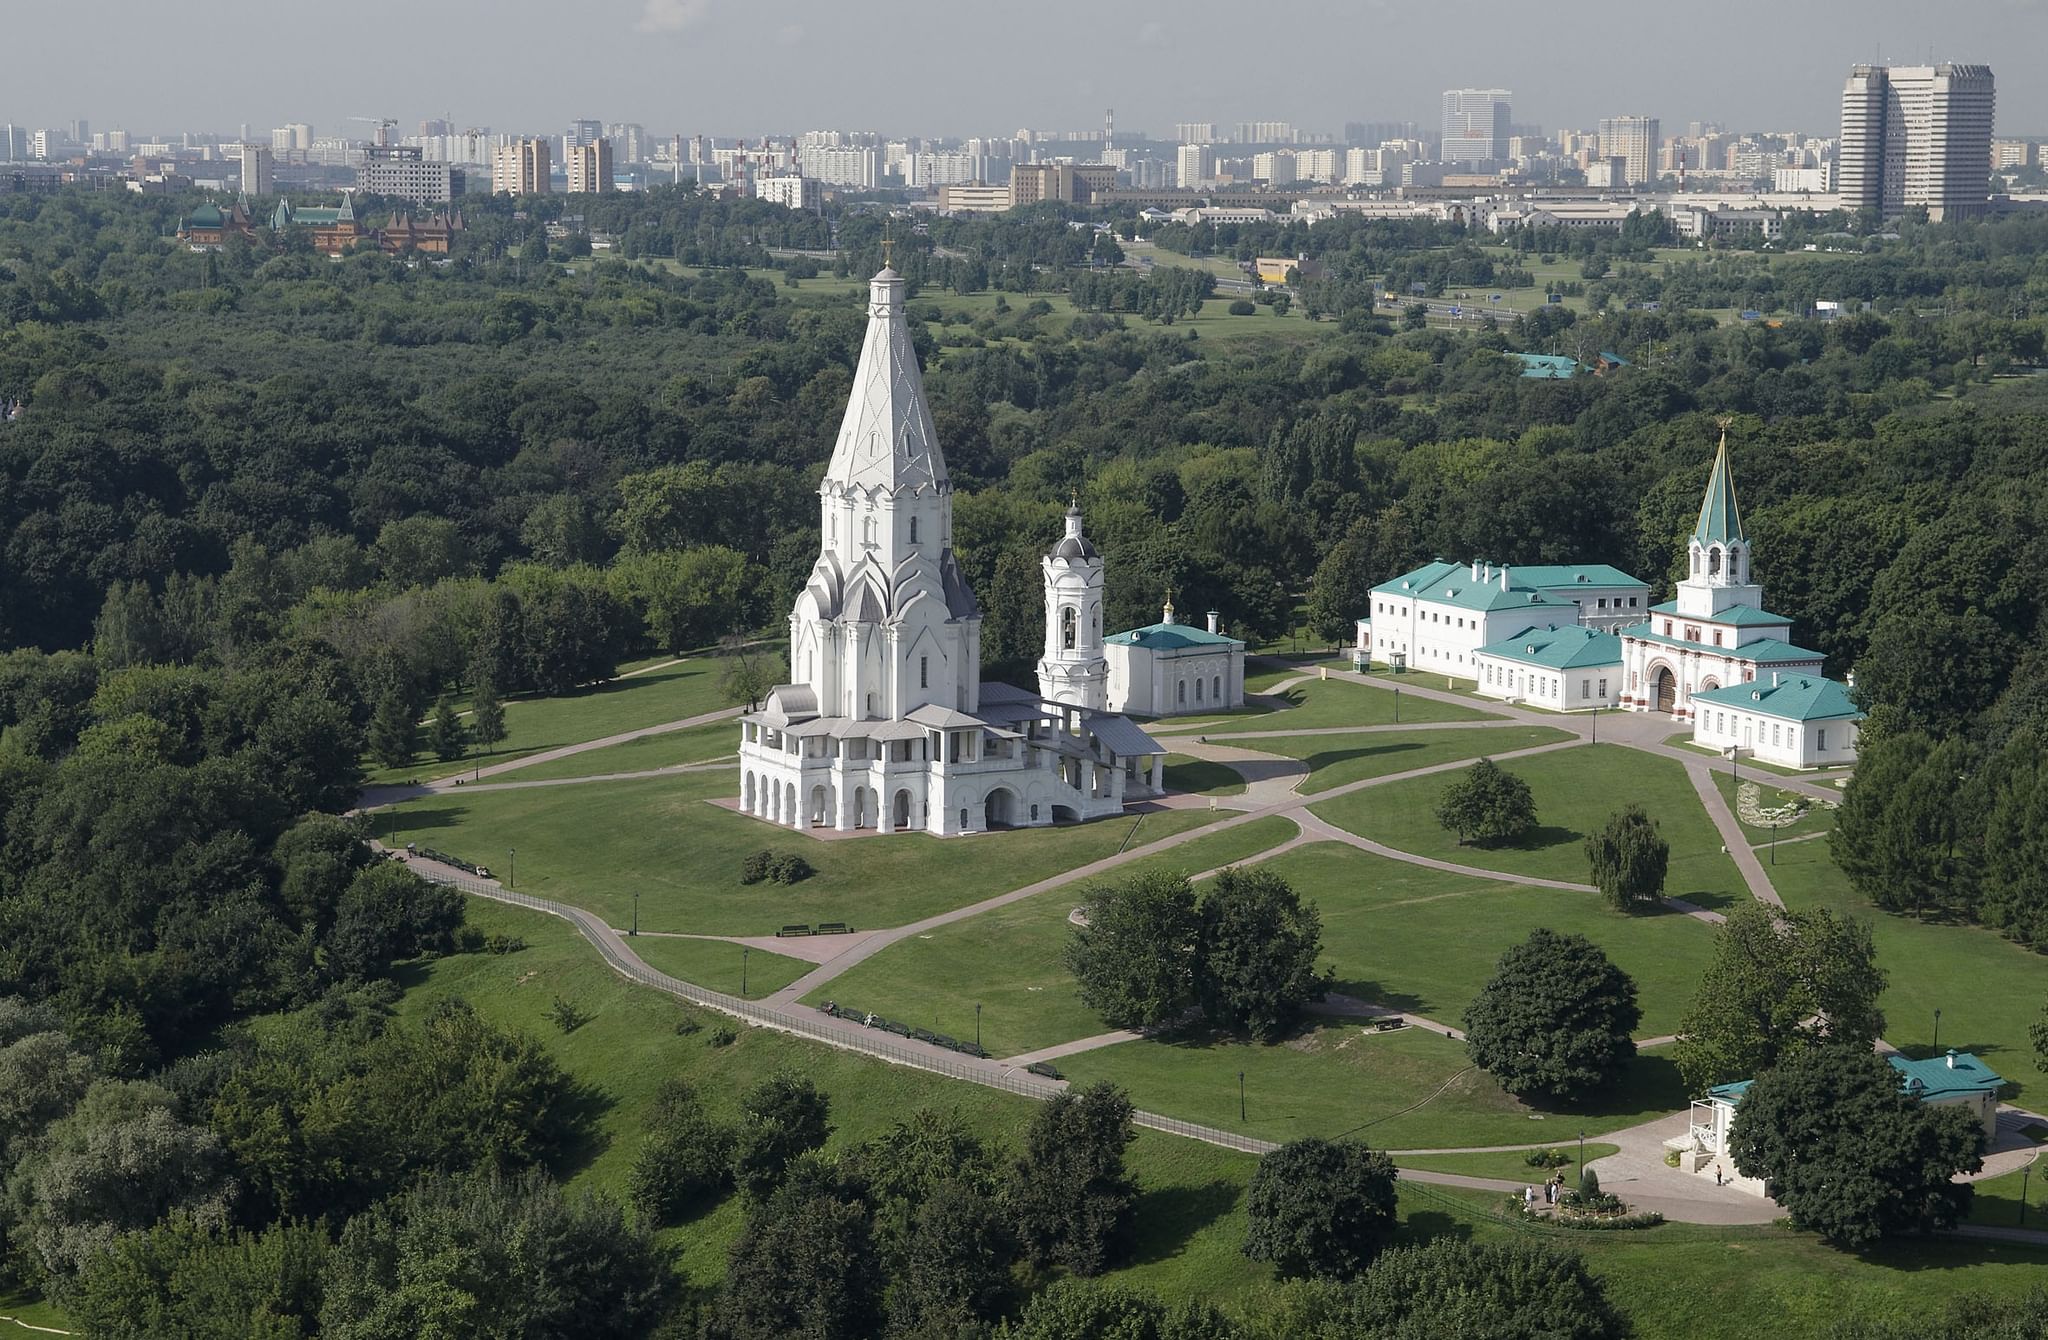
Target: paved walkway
pixel 1638 1174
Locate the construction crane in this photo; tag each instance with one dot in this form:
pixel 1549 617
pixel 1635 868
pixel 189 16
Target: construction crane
pixel 386 126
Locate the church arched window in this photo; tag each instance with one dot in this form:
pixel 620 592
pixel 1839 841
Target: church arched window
pixel 913 530
pixel 1180 695
pixel 1714 561
pixel 1216 688
pixel 1067 628
pixel 1695 562
pixel 867 530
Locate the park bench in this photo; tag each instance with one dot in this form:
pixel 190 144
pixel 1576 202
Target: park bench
pixel 788 931
pixel 1043 1069
pixel 834 928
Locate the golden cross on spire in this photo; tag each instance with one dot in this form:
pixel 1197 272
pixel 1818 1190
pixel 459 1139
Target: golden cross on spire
pixel 887 243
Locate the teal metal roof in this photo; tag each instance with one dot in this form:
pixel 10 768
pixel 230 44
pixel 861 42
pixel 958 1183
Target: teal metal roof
pixel 1741 616
pixel 1946 1076
pixel 1792 698
pixel 1765 651
pixel 1167 636
pixel 1553 366
pixel 1720 519
pixel 1453 584
pixel 1550 576
pixel 1936 1077
pixel 1568 648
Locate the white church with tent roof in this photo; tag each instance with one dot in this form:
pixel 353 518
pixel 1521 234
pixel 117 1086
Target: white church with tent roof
pixel 886 724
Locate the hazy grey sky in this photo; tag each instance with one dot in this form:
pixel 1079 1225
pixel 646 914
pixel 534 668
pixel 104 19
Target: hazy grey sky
pixel 731 67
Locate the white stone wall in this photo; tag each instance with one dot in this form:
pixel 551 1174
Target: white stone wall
pixel 1176 682
pixel 1560 690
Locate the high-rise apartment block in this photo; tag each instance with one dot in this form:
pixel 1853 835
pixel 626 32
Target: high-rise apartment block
pixel 1194 164
pixel 523 167
pixel 1916 136
pixel 1634 140
pixel 1196 132
pixel 257 166
pixel 581 133
pixel 1475 125
pixel 1266 132
pixel 791 192
pixel 589 167
pixel 403 170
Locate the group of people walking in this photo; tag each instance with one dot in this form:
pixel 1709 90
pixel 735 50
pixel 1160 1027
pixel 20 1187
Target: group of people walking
pixel 1553 1191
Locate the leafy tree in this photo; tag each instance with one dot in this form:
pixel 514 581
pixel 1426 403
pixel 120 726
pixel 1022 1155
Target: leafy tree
pixel 42 1073
pixel 1341 592
pixel 1320 1208
pixel 177 1278
pixel 1779 982
pixel 1256 953
pixel 685 1159
pixel 1134 959
pixel 955 1261
pixel 1081 1310
pixel 447 736
pixel 1629 859
pixel 385 916
pixel 1070 1196
pixel 486 713
pixel 805 1267
pixel 1515 1290
pixel 488 1255
pixel 786 1116
pixel 1487 805
pixel 1555 1018
pixel 1849 1153
pixel 2038 1031
pixel 394 726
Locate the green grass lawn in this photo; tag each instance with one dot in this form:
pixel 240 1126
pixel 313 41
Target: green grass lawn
pixel 1334 760
pixel 1818 818
pixel 687 689
pixel 1576 791
pixel 593 845
pixel 1510 1167
pixel 1426 940
pixel 1202 777
pixel 717 964
pixel 1406 1089
pixel 1988 989
pixel 1997 1199
pixel 30 1310
pixel 697 744
pixel 1009 960
pixel 1323 703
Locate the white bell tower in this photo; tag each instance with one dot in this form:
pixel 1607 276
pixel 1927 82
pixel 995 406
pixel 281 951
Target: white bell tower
pixel 1073 669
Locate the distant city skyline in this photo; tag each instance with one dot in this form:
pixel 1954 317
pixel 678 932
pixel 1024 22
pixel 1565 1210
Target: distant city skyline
pixel 912 67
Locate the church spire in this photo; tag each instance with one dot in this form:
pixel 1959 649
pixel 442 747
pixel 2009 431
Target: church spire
pixel 1720 519
pixel 886 441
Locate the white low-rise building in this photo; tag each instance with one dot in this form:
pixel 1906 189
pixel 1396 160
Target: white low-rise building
pixel 1796 721
pixel 1437 617
pixel 1170 669
pixel 1566 669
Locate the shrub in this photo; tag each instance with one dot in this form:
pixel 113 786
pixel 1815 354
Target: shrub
pixel 566 1016
pixel 1547 1158
pixel 722 1037
pixel 503 944
pixel 1243 307
pixel 756 867
pixel 789 869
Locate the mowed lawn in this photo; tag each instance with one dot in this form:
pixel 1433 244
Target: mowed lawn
pixel 671 693
pixel 695 744
pixel 595 843
pixel 1323 703
pixel 1009 960
pixel 1189 1219
pixel 1988 989
pixel 719 965
pixel 1202 777
pixel 1404 1089
pixel 1334 760
pixel 1426 941
pixel 1576 791
pixel 1818 818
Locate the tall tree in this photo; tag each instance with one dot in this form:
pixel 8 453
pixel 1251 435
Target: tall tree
pixel 1555 1018
pixel 1070 1196
pixel 1488 805
pixel 805 1267
pixel 1849 1153
pixel 1629 859
pixel 1134 956
pixel 1778 983
pixel 1320 1208
pixel 447 736
pixel 486 712
pixel 1257 950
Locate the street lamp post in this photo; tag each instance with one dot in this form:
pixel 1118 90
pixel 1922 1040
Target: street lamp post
pixel 1937 1032
pixel 977 1025
pixel 1240 1097
pixel 1596 725
pixel 1582 1160
pixel 744 951
pixel 1397 702
pixel 636 911
pixel 2026 1171
pixel 512 873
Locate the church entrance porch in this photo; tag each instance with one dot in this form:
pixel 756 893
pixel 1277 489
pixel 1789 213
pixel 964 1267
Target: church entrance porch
pixel 1000 809
pixel 1665 685
pixel 901 810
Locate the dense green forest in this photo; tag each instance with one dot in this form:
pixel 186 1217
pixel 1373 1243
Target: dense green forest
pixel 256 501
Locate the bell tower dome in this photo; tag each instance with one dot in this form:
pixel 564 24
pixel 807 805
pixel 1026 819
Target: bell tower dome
pixel 1073 669
pixel 1717 551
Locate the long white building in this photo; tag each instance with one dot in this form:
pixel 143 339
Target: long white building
pixel 1916 136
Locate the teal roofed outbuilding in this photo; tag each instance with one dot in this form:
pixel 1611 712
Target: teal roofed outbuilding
pixel 1570 647
pixel 1553 366
pixel 1720 519
pixel 1790 698
pixel 1165 635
